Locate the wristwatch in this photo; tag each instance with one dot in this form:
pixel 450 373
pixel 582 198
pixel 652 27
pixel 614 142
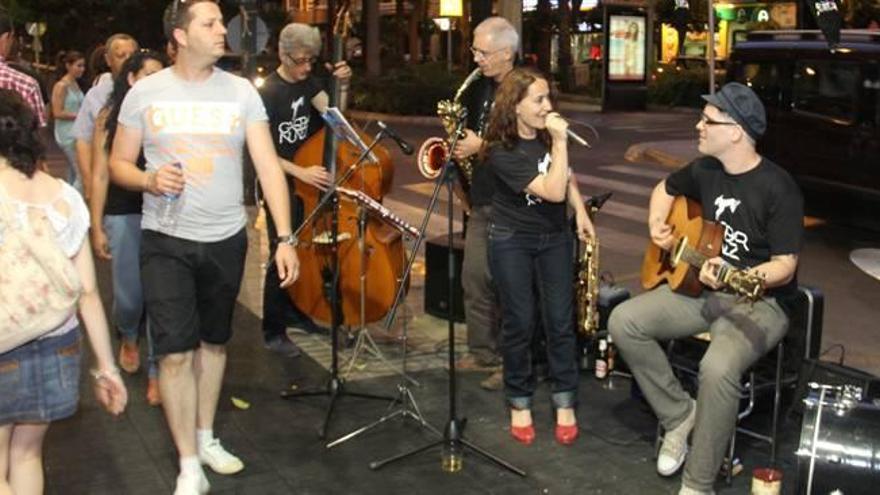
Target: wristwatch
pixel 288 239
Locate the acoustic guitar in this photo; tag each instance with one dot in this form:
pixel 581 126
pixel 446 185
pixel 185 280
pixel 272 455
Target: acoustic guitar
pixel 696 240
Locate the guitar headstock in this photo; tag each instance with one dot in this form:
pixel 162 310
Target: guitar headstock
pixel 748 285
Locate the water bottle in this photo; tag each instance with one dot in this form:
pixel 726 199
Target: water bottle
pixel 169 206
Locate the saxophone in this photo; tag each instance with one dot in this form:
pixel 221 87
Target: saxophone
pixel 435 150
pixel 586 286
pixel 587 289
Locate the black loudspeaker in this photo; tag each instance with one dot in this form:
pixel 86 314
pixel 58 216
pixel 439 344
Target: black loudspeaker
pixel 436 277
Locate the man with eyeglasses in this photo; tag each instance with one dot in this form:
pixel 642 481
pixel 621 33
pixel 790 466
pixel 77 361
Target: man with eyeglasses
pixel 495 47
pixel 761 210
pixel 194 121
pixel 294 98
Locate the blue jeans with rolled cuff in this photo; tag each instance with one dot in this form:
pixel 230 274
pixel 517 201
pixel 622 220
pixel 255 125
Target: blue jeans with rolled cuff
pixel 529 269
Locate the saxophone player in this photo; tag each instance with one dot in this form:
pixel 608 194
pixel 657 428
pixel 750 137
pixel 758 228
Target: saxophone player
pixel 494 47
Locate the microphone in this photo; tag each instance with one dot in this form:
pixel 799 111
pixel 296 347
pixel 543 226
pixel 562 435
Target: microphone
pixel 404 146
pixel 579 140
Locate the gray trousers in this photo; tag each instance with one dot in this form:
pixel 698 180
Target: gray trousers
pixel 741 334
pixel 480 304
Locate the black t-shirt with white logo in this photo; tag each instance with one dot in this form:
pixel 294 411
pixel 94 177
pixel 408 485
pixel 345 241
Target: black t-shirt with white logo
pixel 761 210
pixel 512 206
pixel 292 117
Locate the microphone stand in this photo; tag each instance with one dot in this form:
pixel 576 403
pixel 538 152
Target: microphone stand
pixel 335 385
pixel 453 442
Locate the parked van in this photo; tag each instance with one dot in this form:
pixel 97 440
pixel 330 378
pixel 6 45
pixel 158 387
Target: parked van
pixel 823 113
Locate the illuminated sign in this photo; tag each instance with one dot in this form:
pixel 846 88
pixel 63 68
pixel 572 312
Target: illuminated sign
pixel 626 48
pixel 532 5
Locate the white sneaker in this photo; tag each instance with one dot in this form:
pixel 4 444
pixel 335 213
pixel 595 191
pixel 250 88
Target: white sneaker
pixel 675 447
pixel 191 484
pixel 686 490
pixel 217 458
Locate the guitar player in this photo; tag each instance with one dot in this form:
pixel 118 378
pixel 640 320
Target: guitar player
pixel 760 209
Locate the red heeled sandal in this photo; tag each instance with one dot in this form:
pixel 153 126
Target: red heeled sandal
pixel 566 434
pixel 523 434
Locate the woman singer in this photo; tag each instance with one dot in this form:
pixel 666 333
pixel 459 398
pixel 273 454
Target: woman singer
pixel 530 245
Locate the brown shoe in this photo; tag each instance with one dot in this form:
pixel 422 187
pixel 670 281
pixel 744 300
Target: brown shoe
pixel 493 382
pixel 154 398
pixel 129 357
pixel 470 362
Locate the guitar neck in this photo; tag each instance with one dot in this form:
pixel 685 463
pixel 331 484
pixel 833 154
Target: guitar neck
pixel 696 259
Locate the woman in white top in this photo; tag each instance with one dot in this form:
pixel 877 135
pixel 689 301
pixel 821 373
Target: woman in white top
pixel 39 381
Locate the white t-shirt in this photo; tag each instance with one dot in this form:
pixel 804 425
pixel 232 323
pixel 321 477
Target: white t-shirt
pixel 71 224
pixel 200 125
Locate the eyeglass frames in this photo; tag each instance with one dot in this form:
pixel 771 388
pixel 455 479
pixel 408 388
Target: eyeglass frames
pixel 705 119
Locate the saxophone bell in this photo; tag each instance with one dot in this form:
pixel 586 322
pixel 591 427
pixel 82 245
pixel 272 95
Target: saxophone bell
pixel 432 155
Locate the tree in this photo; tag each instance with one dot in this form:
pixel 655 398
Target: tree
pixel 372 47
pixel 414 27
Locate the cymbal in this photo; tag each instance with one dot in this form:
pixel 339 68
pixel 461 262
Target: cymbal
pixel 867 260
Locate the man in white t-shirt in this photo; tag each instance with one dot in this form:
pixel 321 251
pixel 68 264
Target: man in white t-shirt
pixel 120 46
pixel 193 121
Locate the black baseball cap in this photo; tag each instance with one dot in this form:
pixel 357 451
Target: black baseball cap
pixel 743 105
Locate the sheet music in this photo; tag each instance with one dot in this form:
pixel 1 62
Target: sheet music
pixel 344 131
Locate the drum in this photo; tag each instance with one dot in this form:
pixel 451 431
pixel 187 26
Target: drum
pixel 839 449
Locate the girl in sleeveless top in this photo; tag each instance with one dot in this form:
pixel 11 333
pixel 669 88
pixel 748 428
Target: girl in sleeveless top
pixel 67 97
pixel 39 380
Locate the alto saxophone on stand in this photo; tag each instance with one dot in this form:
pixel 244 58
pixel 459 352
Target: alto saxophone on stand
pixel 587 281
pixel 435 150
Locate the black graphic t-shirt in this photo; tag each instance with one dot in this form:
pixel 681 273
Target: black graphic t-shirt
pixel 292 118
pixel 478 100
pixel 512 206
pixel 761 210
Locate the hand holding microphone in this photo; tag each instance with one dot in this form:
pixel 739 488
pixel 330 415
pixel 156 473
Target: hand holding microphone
pixel 558 128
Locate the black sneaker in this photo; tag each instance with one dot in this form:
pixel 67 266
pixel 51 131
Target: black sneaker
pixel 308 327
pixel 284 346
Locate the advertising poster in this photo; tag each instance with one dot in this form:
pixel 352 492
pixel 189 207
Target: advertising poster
pixel 626 48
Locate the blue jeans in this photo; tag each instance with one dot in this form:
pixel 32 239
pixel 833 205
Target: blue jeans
pixel 124 236
pixel 530 269
pixel 73 177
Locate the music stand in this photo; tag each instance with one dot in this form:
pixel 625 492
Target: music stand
pixel 335 385
pixel 453 435
pixel 367 206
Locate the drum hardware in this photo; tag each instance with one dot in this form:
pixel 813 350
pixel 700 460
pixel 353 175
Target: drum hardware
pixel 839 448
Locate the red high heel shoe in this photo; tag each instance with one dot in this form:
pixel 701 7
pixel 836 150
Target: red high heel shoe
pixel 566 434
pixel 523 434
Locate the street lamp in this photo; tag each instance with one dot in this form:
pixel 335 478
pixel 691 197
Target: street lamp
pixel 449 9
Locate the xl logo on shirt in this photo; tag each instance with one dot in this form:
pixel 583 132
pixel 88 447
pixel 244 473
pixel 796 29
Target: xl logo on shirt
pixel 295 130
pixel 734 240
pixel 193 117
pixel 722 203
pixel 543 166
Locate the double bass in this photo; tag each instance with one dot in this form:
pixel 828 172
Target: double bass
pixel 373 258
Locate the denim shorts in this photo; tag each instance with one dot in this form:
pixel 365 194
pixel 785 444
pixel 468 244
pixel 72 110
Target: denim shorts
pixel 39 381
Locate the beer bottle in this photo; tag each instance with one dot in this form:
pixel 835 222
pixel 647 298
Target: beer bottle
pixel 602 360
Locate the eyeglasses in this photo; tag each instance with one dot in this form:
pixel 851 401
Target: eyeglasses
pixel 706 120
pixel 302 60
pixel 483 54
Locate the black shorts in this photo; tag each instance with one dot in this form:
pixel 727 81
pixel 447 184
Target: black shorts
pixel 190 289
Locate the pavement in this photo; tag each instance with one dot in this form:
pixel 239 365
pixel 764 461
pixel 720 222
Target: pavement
pixel 277 437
